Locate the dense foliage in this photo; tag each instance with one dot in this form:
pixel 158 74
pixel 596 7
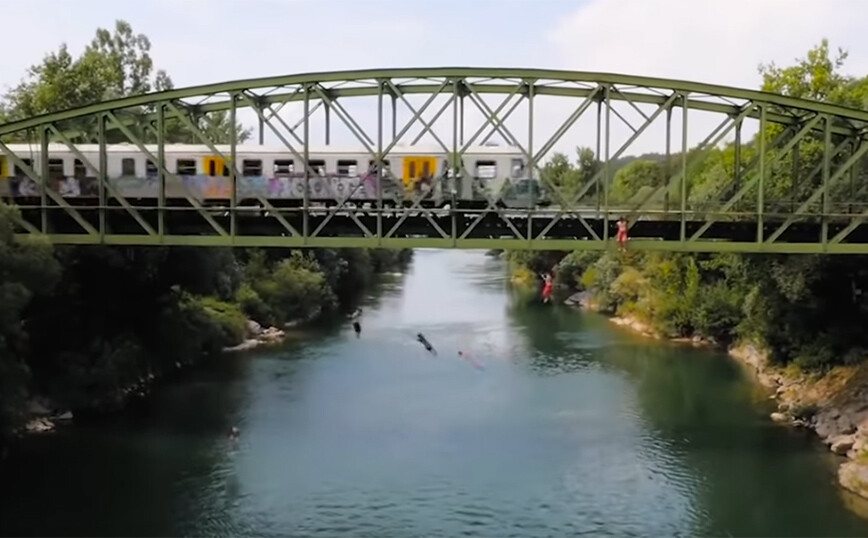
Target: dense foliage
pixel 807 310
pixel 85 326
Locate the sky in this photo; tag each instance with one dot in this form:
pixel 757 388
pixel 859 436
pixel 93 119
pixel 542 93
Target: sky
pixel 203 41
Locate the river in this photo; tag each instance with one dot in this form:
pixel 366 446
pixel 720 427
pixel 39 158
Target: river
pixel 572 426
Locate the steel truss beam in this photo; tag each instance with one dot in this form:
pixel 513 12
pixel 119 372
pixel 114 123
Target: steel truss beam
pixel 140 118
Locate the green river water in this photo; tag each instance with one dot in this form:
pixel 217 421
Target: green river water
pixel 572 427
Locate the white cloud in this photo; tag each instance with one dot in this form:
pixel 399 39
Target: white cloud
pixel 719 42
pixel 716 42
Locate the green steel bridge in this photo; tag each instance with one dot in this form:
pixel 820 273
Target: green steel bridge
pixel 820 147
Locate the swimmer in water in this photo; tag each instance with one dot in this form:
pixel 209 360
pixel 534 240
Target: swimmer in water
pixel 468 358
pixel 356 324
pixel 421 338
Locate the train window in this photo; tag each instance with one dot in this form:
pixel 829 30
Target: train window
pixel 517 168
pixel 412 169
pixel 79 170
pixel 283 168
pixel 450 173
pixel 426 168
pixel 251 167
pixel 128 167
pixel 386 164
pixel 55 168
pixel 151 169
pixel 185 167
pixel 19 171
pixel 317 167
pixel 347 168
pixel 486 169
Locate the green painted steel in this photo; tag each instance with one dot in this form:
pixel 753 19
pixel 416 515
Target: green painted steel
pixel 750 208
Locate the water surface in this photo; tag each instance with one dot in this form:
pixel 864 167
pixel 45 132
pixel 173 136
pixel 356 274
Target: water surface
pixel 573 427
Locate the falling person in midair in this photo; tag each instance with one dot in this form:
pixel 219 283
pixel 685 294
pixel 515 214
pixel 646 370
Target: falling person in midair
pixel 421 338
pixel 548 283
pixel 357 315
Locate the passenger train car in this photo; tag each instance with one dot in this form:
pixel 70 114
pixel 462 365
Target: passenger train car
pixel 336 174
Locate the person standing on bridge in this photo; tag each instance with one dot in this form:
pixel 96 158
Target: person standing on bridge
pixel 622 234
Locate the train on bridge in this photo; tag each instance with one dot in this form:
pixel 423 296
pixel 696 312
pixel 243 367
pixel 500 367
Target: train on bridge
pixel 413 174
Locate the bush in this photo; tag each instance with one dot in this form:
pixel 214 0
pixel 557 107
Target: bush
pixel 718 312
pixel 253 305
pixel 228 317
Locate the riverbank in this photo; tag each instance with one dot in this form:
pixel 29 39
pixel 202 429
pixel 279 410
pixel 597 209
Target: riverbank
pixel 834 405
pixel 268 299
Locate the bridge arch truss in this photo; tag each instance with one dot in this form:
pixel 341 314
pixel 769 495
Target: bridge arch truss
pixel 799 188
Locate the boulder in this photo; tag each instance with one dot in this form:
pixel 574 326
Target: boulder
pixel 853 476
pixel 39 425
pixel 825 426
pixel 842 444
pixel 37 408
pixel 271 334
pixel 778 417
pixel 253 328
pixel 65 416
pixel 577 299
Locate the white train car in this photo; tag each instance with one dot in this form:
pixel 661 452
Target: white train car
pixel 273 172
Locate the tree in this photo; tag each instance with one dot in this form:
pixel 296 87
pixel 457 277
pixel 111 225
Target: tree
pixel 569 178
pixel 27 269
pixel 115 64
pixel 634 179
pixel 815 76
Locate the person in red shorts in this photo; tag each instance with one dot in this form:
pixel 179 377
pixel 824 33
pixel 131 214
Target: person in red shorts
pixel 548 283
pixel 622 234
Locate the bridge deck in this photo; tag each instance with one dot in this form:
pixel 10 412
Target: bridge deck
pixel 443 228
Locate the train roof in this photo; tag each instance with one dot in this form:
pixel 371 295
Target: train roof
pixel 253 149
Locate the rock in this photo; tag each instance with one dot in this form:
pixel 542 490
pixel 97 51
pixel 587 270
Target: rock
pixel 253 328
pixel 245 345
pixel 271 334
pixel 841 444
pixel 825 426
pixel 853 476
pixel 783 407
pixel 36 407
pixel 578 298
pixel 67 415
pixel 39 425
pixel 778 417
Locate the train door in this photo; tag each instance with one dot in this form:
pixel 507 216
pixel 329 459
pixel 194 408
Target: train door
pixel 214 165
pixel 418 169
pixel 215 186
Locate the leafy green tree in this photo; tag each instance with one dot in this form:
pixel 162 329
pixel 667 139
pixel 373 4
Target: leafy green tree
pixel 27 270
pixel 115 64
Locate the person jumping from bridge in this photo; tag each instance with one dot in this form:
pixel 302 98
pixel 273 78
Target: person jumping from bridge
pixel 357 315
pixel 421 338
pixel 622 234
pixel 548 284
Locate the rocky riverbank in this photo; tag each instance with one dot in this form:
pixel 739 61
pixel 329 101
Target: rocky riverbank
pixel 834 405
